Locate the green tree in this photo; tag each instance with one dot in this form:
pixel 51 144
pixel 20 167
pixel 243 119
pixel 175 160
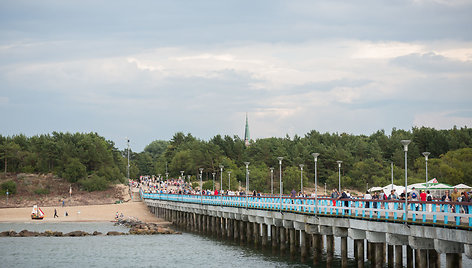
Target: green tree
pixel 74 170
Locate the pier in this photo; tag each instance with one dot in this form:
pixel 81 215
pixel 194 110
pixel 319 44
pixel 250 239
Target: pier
pixel 383 231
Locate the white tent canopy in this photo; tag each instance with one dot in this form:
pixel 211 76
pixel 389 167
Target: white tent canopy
pixel 436 188
pixel 375 189
pixel 398 189
pixel 462 186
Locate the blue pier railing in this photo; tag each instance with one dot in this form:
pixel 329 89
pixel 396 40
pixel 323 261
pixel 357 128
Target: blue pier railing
pixel 431 213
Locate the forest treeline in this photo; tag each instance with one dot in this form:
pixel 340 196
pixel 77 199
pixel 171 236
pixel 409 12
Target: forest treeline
pixel 89 158
pixel 86 159
pixel 366 159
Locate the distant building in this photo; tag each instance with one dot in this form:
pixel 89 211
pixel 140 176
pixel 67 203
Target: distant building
pixel 246 134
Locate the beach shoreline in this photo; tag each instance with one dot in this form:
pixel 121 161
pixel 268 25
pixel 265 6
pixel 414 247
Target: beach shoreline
pixel 84 213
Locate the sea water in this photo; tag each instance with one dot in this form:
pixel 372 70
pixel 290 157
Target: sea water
pixel 185 250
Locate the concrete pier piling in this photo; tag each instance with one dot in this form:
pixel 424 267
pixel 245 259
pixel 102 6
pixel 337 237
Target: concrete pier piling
pixel 236 230
pixel 344 251
pixel 283 242
pixel 273 236
pixel 409 257
pixel 303 245
pixel 398 256
pixel 264 236
pixel 317 248
pixel 292 242
pixel 359 252
pixel 329 248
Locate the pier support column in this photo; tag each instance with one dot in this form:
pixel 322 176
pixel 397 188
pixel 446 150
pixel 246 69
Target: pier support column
pixel 390 256
pixel 256 230
pixel 249 233
pixel 453 252
pixel 378 255
pixel 344 251
pixel 422 255
pixel 303 244
pixel 282 239
pixel 273 236
pixel 358 236
pixel 229 228
pixel 398 256
pixel 236 230
pixel 360 252
pixel 292 241
pixel 454 260
pixel 205 223
pixel 329 249
pixel 421 245
pixel 264 235
pixel 409 257
pixel 343 233
pixel 223 227
pixel 242 228
pixel 317 247
pixel 434 260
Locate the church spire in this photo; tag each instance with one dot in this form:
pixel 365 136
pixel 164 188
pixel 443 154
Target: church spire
pixel 246 133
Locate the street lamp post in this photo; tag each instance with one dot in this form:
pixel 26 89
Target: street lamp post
pixel 213 181
pixel 221 178
pixel 167 175
pixel 405 148
pixel 229 180
pixel 301 178
pixel 127 167
pixel 426 154
pixel 271 180
pixel 182 175
pixel 281 185
pixel 201 179
pixel 247 182
pixel 339 172
pixel 391 164
pixel 315 156
pixel 201 185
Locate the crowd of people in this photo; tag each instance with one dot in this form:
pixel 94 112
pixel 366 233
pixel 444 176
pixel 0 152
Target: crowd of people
pixel 151 184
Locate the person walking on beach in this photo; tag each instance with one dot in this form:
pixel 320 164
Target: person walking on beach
pixel 55 213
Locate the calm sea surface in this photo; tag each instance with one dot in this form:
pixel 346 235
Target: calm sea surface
pixel 186 250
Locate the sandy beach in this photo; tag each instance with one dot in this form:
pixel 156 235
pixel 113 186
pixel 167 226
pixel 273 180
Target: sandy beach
pixel 90 213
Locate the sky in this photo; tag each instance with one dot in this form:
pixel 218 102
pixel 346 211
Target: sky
pixel 148 69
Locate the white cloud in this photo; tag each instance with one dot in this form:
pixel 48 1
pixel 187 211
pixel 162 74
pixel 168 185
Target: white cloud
pixel 441 120
pixel 331 85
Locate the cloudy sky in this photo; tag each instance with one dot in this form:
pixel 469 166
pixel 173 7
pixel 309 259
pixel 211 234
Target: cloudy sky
pixel 147 69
